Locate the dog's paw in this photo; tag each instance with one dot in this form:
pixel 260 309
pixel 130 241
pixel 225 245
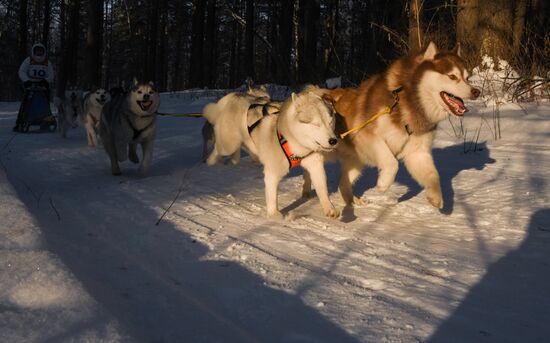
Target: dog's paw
pixel 143 170
pixel 382 187
pixel 331 212
pixel 133 158
pixel 211 161
pixel 435 198
pixel 353 200
pixel 357 201
pixel 275 215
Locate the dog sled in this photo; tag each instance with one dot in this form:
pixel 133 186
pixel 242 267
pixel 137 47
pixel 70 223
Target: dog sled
pixel 35 110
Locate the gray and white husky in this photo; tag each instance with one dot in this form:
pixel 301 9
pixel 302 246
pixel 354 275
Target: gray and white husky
pixel 91 113
pixel 298 133
pixel 127 121
pixel 69 108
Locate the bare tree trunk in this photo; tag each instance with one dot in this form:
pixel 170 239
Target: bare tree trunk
pixel 70 51
pixel 496 18
pixel 108 45
pixel 93 44
pixel 177 82
pixel 519 25
pixel 151 39
pixel 197 38
pixel 160 53
pixel 46 24
pixel 249 40
pixel 234 56
pixel 467 30
pixel 286 29
pixel 331 28
pixel 273 57
pixel 210 48
pixel 307 39
pixel 62 67
pixel 23 29
pixel 415 27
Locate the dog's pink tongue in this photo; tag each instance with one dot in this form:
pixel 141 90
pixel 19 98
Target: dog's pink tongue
pixel 458 104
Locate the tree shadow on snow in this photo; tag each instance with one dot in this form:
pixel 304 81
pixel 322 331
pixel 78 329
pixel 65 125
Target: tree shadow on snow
pixel 156 282
pixel 511 302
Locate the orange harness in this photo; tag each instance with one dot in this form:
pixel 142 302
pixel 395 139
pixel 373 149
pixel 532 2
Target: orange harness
pixel 293 160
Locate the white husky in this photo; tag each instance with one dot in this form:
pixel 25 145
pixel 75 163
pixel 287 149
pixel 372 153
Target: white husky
pixel 231 111
pixel 91 113
pixel 298 134
pixel 68 110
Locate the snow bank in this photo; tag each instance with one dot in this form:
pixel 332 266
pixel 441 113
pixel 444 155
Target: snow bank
pixel 500 83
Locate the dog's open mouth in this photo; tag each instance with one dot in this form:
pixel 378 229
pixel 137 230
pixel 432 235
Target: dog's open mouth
pixel 454 103
pixel 145 105
pixel 101 101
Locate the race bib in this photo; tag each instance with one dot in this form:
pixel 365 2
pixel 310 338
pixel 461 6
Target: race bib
pixel 38 71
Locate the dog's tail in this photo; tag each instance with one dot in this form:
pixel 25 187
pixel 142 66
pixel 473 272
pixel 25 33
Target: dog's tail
pixel 210 112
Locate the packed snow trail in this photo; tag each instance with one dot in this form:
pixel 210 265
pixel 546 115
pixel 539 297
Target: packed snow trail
pixel 82 258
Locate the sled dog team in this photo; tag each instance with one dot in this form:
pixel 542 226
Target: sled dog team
pixel 122 121
pixel 392 116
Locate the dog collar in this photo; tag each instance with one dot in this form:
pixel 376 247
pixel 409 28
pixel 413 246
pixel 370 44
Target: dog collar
pixel 293 160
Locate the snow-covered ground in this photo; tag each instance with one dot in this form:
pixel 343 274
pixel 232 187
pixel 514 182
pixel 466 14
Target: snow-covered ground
pixel 81 259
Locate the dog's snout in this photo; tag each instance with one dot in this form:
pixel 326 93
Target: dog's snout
pixel 333 141
pixel 102 96
pixel 146 97
pixel 475 93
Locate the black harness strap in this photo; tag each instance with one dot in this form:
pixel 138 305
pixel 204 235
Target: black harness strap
pixel 395 94
pixel 136 131
pixel 264 114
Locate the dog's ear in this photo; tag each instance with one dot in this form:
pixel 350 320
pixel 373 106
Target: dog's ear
pixel 430 52
pixel 457 50
pixel 293 96
pixel 135 81
pixel 329 100
pixel 263 88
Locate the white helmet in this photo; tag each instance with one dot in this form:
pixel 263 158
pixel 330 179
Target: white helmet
pixel 38 52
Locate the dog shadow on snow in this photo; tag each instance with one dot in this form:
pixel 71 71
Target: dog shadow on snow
pixel 511 302
pixel 449 161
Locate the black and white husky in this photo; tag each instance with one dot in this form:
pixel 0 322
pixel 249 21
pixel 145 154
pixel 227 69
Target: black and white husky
pixel 127 121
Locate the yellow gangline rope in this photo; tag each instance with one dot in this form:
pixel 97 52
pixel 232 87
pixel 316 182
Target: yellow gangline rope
pixel 386 110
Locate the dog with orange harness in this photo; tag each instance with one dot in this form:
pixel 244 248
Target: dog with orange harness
pixel 283 136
